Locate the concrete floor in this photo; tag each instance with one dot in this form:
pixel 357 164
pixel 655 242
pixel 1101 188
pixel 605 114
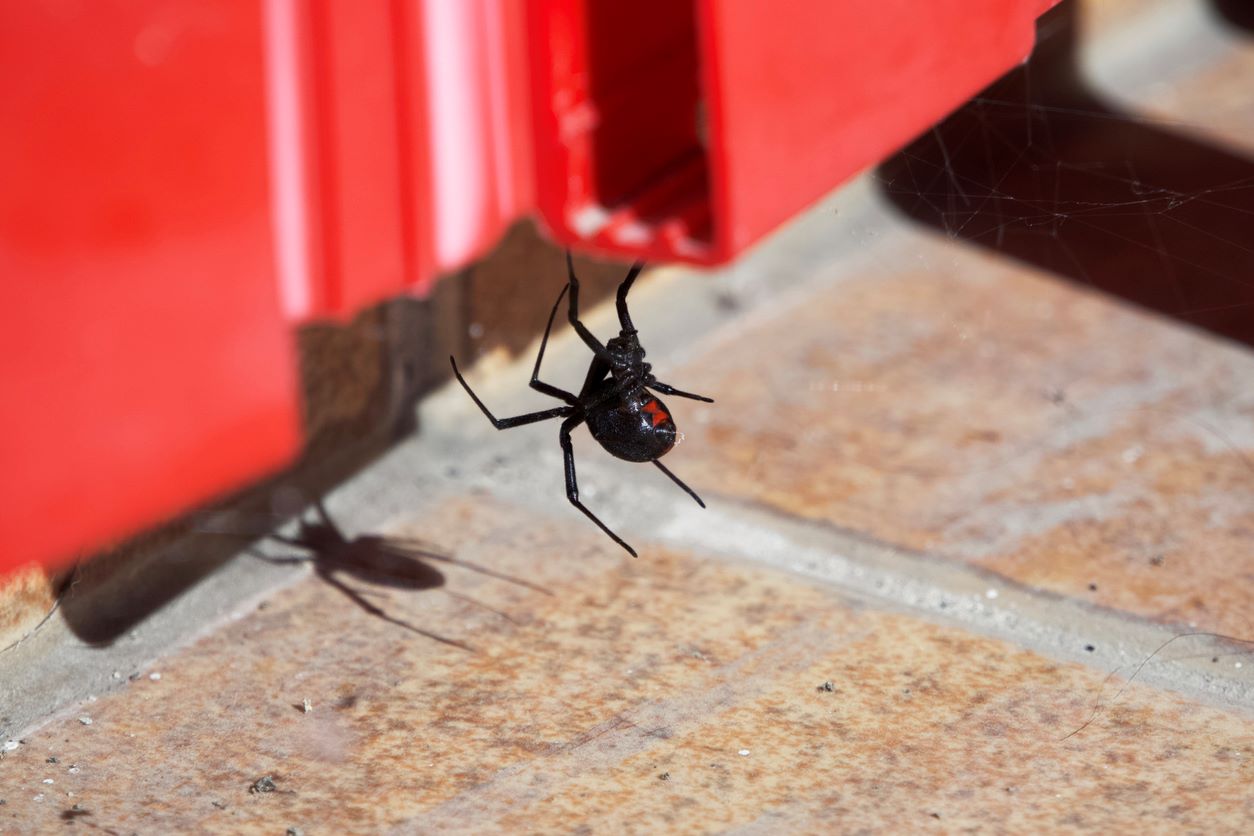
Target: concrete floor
pixel 954 504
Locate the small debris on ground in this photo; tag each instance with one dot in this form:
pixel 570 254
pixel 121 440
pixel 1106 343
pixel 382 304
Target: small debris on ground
pixel 744 753
pixel 1090 648
pixel 827 686
pixel 76 812
pixel 263 784
pixel 295 831
pixel 1092 587
pixel 154 676
pixel 10 745
pixel 665 776
pixel 85 720
pixel 51 760
pixel 307 705
pixel 1157 560
pixel 218 804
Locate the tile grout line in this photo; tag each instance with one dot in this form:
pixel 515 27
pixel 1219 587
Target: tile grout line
pixel 931 587
pixel 967 596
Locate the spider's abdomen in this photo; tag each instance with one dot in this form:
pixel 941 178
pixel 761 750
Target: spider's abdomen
pixel 640 435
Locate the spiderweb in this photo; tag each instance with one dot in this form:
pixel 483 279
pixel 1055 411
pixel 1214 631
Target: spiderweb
pixel 1047 167
pixel 1123 162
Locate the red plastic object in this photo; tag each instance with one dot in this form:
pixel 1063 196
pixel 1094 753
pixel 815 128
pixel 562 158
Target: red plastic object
pixel 401 143
pixel 688 129
pixel 185 180
pixel 144 361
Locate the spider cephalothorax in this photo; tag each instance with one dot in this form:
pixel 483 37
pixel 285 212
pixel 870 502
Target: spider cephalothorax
pixel 621 412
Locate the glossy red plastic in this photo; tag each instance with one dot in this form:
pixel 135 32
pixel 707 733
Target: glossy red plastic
pixel 401 143
pixel 688 129
pixel 144 360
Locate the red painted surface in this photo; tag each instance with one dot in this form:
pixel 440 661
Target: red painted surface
pixel 688 129
pixel 835 87
pixel 186 180
pixel 410 123
pixel 144 361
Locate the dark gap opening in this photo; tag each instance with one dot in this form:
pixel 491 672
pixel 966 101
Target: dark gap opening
pixel 643 59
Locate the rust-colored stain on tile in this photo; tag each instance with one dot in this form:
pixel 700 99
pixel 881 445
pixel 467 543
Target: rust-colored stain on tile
pixel 983 413
pixel 675 693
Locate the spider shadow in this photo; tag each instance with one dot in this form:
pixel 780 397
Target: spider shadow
pixel 387 562
pixel 1041 168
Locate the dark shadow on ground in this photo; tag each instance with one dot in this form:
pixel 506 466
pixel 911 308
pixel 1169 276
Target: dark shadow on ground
pixel 1039 168
pixel 1237 12
pixel 387 562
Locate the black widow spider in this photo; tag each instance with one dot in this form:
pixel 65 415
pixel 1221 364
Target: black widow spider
pixel 622 415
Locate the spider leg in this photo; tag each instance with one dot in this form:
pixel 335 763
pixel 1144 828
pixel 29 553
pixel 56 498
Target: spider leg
pixel 679 482
pixel 360 600
pixel 572 486
pixel 474 567
pixel 287 541
pixel 467 599
pixel 538 384
pixel 624 318
pixel 326 519
pixel 671 390
pixel 584 334
pixel 517 420
pixel 287 560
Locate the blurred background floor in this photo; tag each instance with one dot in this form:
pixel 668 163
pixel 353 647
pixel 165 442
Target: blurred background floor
pixel 952 487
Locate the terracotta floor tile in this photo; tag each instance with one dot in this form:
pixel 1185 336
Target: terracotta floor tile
pixel 980 412
pixel 681 693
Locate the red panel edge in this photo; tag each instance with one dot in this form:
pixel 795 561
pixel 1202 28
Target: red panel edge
pixel 147 364
pixel 744 200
